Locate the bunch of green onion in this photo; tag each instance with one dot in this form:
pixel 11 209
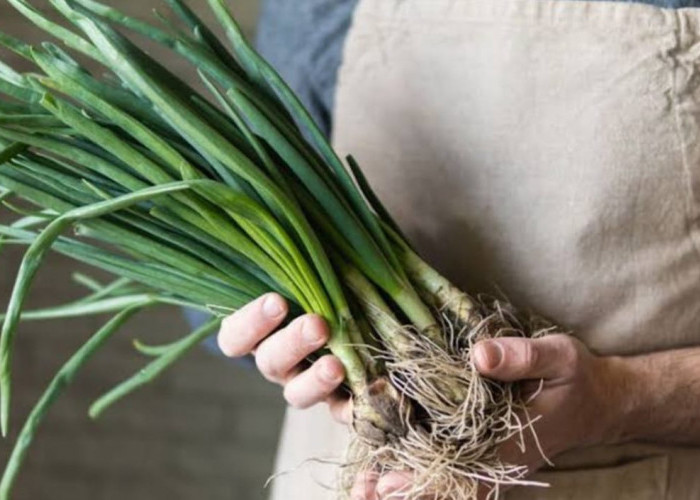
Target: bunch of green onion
pixel 208 201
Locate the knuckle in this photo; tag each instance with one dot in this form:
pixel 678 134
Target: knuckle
pixel 288 342
pixel 297 354
pixel 530 356
pixel 291 395
pixel 266 365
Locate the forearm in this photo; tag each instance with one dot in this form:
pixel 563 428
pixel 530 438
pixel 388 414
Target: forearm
pixel 660 397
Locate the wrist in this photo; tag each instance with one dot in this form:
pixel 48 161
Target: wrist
pixel 631 389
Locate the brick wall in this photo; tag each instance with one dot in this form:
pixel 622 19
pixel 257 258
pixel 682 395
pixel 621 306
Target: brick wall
pixel 207 429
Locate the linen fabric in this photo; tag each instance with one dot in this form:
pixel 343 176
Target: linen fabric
pixel 547 150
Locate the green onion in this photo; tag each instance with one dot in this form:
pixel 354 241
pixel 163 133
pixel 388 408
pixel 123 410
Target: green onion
pixel 60 381
pixel 208 201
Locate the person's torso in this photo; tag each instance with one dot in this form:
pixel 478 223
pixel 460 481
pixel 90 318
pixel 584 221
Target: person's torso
pixel 547 149
pixel 551 150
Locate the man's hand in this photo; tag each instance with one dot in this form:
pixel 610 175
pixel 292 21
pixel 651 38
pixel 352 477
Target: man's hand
pixel 577 399
pixel 280 357
pixel 584 399
pixel 577 402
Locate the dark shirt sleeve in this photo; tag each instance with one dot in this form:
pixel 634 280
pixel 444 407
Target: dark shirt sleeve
pixel 303 40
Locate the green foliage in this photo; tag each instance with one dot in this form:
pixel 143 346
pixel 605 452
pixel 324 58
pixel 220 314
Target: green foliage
pixel 204 201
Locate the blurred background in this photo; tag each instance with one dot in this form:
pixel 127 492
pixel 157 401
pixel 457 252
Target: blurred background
pixel 206 429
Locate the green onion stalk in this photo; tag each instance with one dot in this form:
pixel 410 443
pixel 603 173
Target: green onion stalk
pixel 209 196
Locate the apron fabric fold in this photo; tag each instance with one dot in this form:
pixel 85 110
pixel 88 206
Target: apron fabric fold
pixel 547 151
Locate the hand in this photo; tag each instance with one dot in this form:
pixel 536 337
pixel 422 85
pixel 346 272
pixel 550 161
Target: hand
pixel 577 397
pixel 577 394
pixel 280 356
pixel 585 399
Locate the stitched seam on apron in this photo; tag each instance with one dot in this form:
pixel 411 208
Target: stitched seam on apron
pixel 524 12
pixel 381 22
pixel 692 203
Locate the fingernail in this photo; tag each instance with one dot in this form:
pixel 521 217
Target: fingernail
pixel 310 334
pixel 329 372
pixel 272 306
pixel 488 355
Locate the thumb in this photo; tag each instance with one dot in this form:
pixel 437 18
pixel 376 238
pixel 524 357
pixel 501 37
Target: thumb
pixel 512 358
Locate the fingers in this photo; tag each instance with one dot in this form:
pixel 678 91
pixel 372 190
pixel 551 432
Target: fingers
pixel 315 384
pixel 278 356
pixel 244 329
pixel 390 486
pixel 365 487
pixel 394 485
pixel 511 358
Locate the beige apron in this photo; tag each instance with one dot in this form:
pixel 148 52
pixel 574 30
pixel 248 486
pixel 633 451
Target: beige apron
pixel 550 149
